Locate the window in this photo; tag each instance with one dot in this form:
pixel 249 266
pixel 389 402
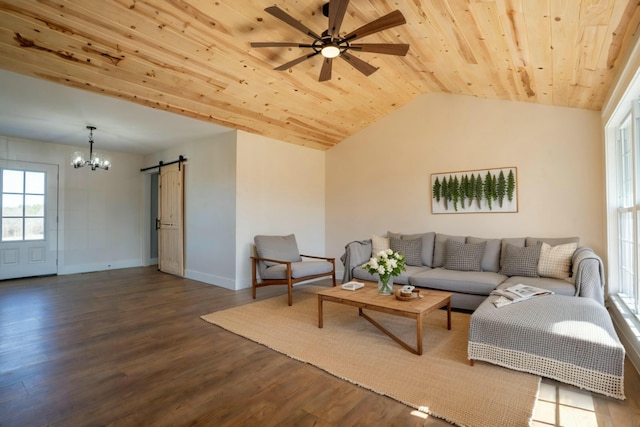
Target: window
pixel 23 207
pixel 624 172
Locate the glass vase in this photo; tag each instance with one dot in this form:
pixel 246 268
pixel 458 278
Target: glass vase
pixel 385 287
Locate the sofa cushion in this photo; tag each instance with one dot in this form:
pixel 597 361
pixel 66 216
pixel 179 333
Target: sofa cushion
pixel 282 248
pixel 515 241
pixel 440 247
pixel 555 261
pixel 521 261
pixel 469 282
pixel 558 286
pixel 428 242
pixel 553 241
pixel 378 244
pixel 464 256
pixel 298 269
pixel 403 279
pixel 411 249
pixel 391 234
pixel 491 258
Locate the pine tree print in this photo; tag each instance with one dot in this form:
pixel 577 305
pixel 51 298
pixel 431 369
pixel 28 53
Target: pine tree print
pixel 455 192
pixel 488 190
pixel 511 185
pixel 444 193
pixel 477 193
pixel 436 190
pixel 463 191
pixel 501 188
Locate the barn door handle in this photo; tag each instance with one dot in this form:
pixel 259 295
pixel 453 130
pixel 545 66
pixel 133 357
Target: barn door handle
pixel 157 224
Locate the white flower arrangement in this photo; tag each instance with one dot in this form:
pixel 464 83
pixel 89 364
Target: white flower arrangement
pixel 385 264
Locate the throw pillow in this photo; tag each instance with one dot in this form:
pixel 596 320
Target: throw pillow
pixel 464 256
pixel 411 249
pixel 378 244
pixel 521 261
pixel 428 240
pixel 555 261
pixel 515 241
pixel 491 258
pixel 440 248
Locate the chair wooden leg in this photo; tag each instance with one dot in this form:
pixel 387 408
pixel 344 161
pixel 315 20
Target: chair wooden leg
pixel 254 283
pixel 289 284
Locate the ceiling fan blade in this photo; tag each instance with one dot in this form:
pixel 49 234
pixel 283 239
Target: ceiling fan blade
pixel 325 72
pixel 290 64
pixel 357 63
pixel 337 9
pixel 389 20
pixel 279 44
pixel 385 48
pixel 285 17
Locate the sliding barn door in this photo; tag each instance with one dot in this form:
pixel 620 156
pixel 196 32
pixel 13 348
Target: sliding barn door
pixel 171 219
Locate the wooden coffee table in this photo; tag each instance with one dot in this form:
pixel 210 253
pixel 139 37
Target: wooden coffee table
pixel 368 298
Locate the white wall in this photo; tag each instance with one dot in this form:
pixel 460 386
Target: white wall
pixel 238 185
pixel 99 224
pixel 379 179
pixel 280 190
pixel 209 200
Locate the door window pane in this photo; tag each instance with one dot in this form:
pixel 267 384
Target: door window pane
pixel 34 183
pixel 12 181
pixel 33 205
pixel 34 228
pixel 11 229
pixel 11 205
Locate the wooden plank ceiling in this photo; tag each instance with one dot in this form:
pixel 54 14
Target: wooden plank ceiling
pixel 193 57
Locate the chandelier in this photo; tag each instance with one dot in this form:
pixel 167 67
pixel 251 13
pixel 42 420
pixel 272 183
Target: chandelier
pixel 95 160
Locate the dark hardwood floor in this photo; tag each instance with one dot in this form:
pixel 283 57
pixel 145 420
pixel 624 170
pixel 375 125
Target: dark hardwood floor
pixel 128 348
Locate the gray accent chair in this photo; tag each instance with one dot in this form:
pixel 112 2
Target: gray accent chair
pixel 277 261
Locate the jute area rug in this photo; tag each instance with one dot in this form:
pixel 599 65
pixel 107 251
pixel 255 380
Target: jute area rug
pixel 439 382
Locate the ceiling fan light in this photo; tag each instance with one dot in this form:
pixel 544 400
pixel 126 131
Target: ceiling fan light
pixel 330 51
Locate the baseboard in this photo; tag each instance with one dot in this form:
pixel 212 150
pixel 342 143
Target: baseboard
pixel 102 266
pixel 211 279
pixel 625 324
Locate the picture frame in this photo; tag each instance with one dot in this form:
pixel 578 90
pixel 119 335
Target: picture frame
pixel 475 191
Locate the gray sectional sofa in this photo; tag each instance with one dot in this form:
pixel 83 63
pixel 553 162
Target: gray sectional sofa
pixel 472 267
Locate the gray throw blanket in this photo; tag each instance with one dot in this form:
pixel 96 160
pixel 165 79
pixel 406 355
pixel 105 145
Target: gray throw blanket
pixel 356 253
pixel 583 273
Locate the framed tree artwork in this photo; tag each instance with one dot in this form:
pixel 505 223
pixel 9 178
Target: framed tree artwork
pixel 474 191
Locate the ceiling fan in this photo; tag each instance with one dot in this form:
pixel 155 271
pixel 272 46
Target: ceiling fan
pixel 331 44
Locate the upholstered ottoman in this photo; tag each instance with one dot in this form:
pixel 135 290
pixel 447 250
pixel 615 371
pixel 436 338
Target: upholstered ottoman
pixel 569 339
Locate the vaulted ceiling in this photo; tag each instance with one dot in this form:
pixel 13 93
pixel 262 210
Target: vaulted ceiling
pixel 194 58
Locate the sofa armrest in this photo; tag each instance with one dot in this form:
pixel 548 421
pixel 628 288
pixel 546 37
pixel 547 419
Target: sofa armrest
pixel 588 274
pixel 355 253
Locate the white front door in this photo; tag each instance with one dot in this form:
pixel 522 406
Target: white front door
pixel 29 219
